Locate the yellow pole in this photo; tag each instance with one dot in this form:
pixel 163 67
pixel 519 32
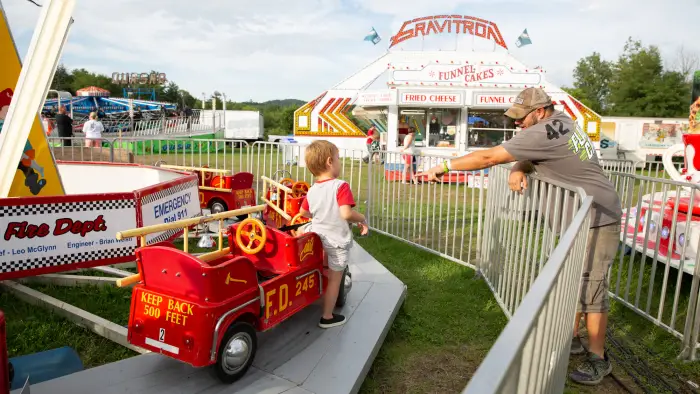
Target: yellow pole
pixel 187 240
pixel 221 234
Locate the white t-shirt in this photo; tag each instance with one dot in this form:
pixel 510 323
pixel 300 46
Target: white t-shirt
pixel 93 129
pixel 323 200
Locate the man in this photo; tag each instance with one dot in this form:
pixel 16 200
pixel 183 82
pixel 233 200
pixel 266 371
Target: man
pixel 551 144
pixel 188 115
pixel 64 125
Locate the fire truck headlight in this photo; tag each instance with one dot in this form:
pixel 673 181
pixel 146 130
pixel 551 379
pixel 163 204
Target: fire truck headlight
pixel 664 232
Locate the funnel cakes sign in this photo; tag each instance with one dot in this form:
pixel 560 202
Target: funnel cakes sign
pixel 456 24
pixel 469 74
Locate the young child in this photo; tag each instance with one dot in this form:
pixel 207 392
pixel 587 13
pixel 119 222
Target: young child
pixel 374 148
pixel 329 204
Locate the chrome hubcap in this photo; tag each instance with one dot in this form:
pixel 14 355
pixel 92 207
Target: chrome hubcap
pixel 217 208
pixel 347 284
pixel 237 353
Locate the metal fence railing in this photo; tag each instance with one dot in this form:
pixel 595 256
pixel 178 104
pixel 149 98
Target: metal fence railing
pixel 520 233
pixel 657 273
pixel 153 125
pixel 444 218
pixel 528 248
pixel 532 353
pixel 652 169
pixel 626 166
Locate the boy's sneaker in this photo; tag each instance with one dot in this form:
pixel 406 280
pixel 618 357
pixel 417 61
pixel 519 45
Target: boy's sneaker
pixel 577 346
pixel 592 371
pixel 336 320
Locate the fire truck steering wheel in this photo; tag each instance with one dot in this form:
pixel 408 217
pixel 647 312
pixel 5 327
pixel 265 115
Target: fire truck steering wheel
pixel 251 236
pixel 206 174
pixel 298 218
pixel 299 189
pixel 287 182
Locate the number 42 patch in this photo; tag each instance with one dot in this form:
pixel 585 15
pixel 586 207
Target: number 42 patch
pixel 579 143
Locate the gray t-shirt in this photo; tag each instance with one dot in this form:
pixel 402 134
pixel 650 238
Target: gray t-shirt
pixel 560 150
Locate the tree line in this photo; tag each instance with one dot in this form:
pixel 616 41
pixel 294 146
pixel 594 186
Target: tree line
pixel 278 114
pixel 637 83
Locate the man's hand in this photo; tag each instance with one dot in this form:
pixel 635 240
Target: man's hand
pixel 434 174
pixel 517 181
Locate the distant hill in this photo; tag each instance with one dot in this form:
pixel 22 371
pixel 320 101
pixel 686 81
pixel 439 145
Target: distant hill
pixel 285 102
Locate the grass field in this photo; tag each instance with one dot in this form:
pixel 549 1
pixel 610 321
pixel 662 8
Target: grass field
pixel 449 320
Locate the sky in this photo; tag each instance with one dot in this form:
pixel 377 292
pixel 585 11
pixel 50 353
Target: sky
pixel 276 49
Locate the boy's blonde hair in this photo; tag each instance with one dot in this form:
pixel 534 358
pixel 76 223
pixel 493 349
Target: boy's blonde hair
pixel 317 155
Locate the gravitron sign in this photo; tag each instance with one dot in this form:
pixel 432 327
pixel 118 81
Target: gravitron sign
pixel 456 24
pixel 138 78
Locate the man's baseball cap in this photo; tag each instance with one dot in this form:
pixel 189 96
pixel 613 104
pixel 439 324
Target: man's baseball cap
pixel 527 101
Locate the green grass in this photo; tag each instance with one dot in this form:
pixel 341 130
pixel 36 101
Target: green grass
pixel 32 329
pixel 445 328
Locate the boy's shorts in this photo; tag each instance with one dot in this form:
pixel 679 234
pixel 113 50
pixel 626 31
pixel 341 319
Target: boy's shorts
pixel 603 245
pixel 337 257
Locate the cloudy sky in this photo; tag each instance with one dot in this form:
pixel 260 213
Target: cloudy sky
pixel 274 49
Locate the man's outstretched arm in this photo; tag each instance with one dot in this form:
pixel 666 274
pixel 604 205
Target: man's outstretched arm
pixel 471 162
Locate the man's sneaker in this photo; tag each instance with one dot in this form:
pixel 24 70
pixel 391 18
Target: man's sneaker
pixel 577 346
pixel 592 371
pixel 336 320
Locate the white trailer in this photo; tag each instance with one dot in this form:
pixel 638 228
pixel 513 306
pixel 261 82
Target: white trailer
pixel 244 125
pixel 640 139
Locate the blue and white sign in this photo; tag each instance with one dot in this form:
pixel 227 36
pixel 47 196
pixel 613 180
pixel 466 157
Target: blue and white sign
pixel 169 205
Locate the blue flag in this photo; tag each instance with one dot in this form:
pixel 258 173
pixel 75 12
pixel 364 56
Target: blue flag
pixel 373 36
pixel 523 40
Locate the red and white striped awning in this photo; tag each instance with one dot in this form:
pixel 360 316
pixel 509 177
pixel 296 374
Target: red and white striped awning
pixel 92 91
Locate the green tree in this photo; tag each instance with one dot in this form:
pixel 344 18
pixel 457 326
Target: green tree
pixel 82 78
pixel 592 77
pixel 171 94
pixel 641 87
pixel 62 79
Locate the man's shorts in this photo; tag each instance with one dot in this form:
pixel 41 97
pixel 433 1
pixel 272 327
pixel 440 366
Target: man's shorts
pixel 337 257
pixel 603 245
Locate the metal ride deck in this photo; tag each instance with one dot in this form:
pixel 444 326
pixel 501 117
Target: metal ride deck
pixel 296 357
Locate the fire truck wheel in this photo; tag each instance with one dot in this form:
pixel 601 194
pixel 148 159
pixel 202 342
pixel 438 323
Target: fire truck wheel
pixel 345 286
pixel 236 352
pixel 217 206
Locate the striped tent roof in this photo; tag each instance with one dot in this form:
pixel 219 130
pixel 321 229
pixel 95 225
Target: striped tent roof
pixel 93 91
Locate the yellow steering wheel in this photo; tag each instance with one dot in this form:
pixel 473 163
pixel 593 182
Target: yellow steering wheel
pixel 287 182
pixel 299 189
pixel 251 236
pixel 206 174
pixel 295 220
